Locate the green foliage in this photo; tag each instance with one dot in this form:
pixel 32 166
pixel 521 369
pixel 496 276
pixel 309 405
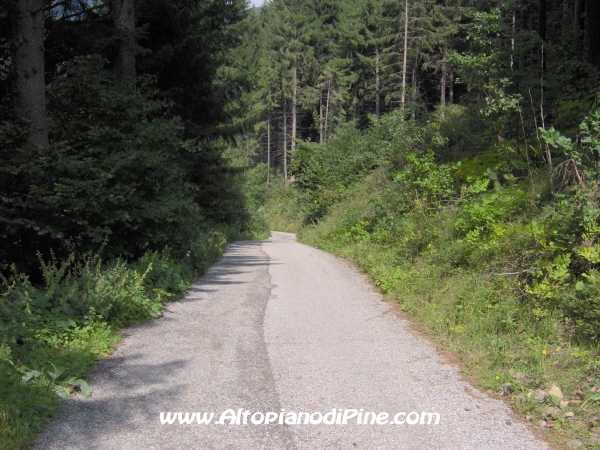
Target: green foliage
pixel 324 171
pixel 282 209
pixel 256 192
pixel 23 407
pixel 189 45
pixel 590 131
pixel 584 303
pixel 482 221
pixel 133 170
pixel 423 178
pixel 109 176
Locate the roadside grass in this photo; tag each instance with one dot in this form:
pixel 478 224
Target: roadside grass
pixel 474 299
pixel 51 335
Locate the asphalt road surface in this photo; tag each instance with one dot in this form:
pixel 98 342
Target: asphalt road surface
pixel 279 327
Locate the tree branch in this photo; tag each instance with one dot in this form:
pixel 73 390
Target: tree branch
pixel 56 5
pixel 77 14
pixel 512 273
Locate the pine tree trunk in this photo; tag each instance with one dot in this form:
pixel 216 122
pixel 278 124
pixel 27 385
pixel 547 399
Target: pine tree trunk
pixel 294 104
pixel 443 87
pixel 355 102
pixel 413 106
pixel 284 138
pixel 377 93
pixel 403 98
pixel 542 11
pixel 451 89
pixel 268 146
pixel 512 41
pixel 443 93
pixel 327 108
pixel 123 18
pixel 577 16
pixel 542 7
pixel 592 23
pixel 29 80
pixel 321 123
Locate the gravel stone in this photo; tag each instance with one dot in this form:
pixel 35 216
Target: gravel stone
pixel 506 389
pixel 556 392
pixel 540 396
pixel 551 411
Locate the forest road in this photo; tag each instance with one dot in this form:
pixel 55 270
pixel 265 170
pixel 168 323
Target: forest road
pixel 279 325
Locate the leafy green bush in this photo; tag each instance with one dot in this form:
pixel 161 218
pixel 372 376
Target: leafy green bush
pixel 583 304
pixel 323 172
pixel 424 180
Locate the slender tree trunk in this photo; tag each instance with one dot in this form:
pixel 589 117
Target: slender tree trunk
pixel 284 138
pixel 403 98
pixel 321 123
pixel 592 25
pixel 522 27
pixel 123 18
pixel 294 103
pixel 512 41
pixel 327 108
pixel 377 93
pixel 413 107
pixel 268 146
pixel 542 8
pixel 443 83
pixel 451 89
pixel 29 80
pixel 577 16
pixel 355 105
pixel 443 93
pixel 543 120
pixel 542 11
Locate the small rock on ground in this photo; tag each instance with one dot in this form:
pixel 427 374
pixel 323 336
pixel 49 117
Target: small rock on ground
pixel 540 396
pixel 551 411
pixel 556 392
